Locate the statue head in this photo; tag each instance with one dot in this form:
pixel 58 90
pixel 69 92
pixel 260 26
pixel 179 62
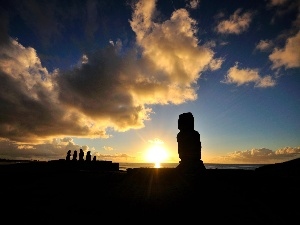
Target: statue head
pixel 186 121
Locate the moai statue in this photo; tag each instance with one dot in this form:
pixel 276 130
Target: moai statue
pixel 189 144
pixel 88 156
pixel 74 156
pixel 68 157
pixel 81 155
pixel 94 158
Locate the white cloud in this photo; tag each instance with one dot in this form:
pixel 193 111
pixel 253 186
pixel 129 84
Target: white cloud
pixel 260 156
pixel 277 2
pixel 289 55
pixel 84 59
pixel 193 4
pixel 245 76
pixel 216 64
pixel 108 148
pixel 264 45
pixel 175 44
pixel 118 157
pixel 156 141
pixel 236 24
pixel 287 151
pixel 223 43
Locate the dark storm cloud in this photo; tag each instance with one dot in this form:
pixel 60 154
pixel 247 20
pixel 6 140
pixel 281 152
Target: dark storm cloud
pixel 97 89
pixel 26 118
pixel 30 109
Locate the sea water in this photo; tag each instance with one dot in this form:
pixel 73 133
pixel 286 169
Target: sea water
pixel 125 166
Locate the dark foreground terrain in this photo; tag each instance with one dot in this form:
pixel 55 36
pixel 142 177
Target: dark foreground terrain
pixel 35 193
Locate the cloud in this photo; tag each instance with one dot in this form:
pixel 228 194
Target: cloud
pixel 193 4
pixel 288 151
pixel 54 149
pixel 118 157
pixel 174 43
pixel 236 24
pixel 108 148
pixel 156 141
pixel 246 76
pixel 216 64
pixel 31 110
pixel 260 156
pixel 277 2
pixel 48 150
pixel 264 45
pixel 289 55
pixel 281 8
pixel 109 88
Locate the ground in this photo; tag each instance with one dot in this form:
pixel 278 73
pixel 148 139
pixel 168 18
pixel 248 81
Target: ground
pixel 147 195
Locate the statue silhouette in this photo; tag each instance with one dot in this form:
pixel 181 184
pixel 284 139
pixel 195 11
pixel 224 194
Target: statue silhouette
pixel 68 157
pixel 94 158
pixel 189 144
pixel 74 156
pixel 88 156
pixel 81 155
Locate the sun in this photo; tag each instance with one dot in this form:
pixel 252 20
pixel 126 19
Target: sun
pixel 156 153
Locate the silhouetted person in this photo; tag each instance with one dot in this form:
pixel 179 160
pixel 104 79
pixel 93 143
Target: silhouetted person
pixel 189 145
pixel 81 155
pixel 74 156
pixel 88 156
pixel 94 158
pixel 68 157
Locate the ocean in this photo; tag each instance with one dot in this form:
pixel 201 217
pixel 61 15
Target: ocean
pixel 125 166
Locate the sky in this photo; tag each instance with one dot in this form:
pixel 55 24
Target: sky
pixel 112 77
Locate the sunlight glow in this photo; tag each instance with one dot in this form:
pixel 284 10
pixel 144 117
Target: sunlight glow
pixel 156 153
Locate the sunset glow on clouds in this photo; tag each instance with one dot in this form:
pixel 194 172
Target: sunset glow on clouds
pixel 236 24
pixel 289 55
pixel 260 156
pixel 246 76
pixel 154 58
pixel 264 45
pixel 126 81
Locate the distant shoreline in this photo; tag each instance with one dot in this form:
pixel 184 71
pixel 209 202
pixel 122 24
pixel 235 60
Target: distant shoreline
pixel 123 166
